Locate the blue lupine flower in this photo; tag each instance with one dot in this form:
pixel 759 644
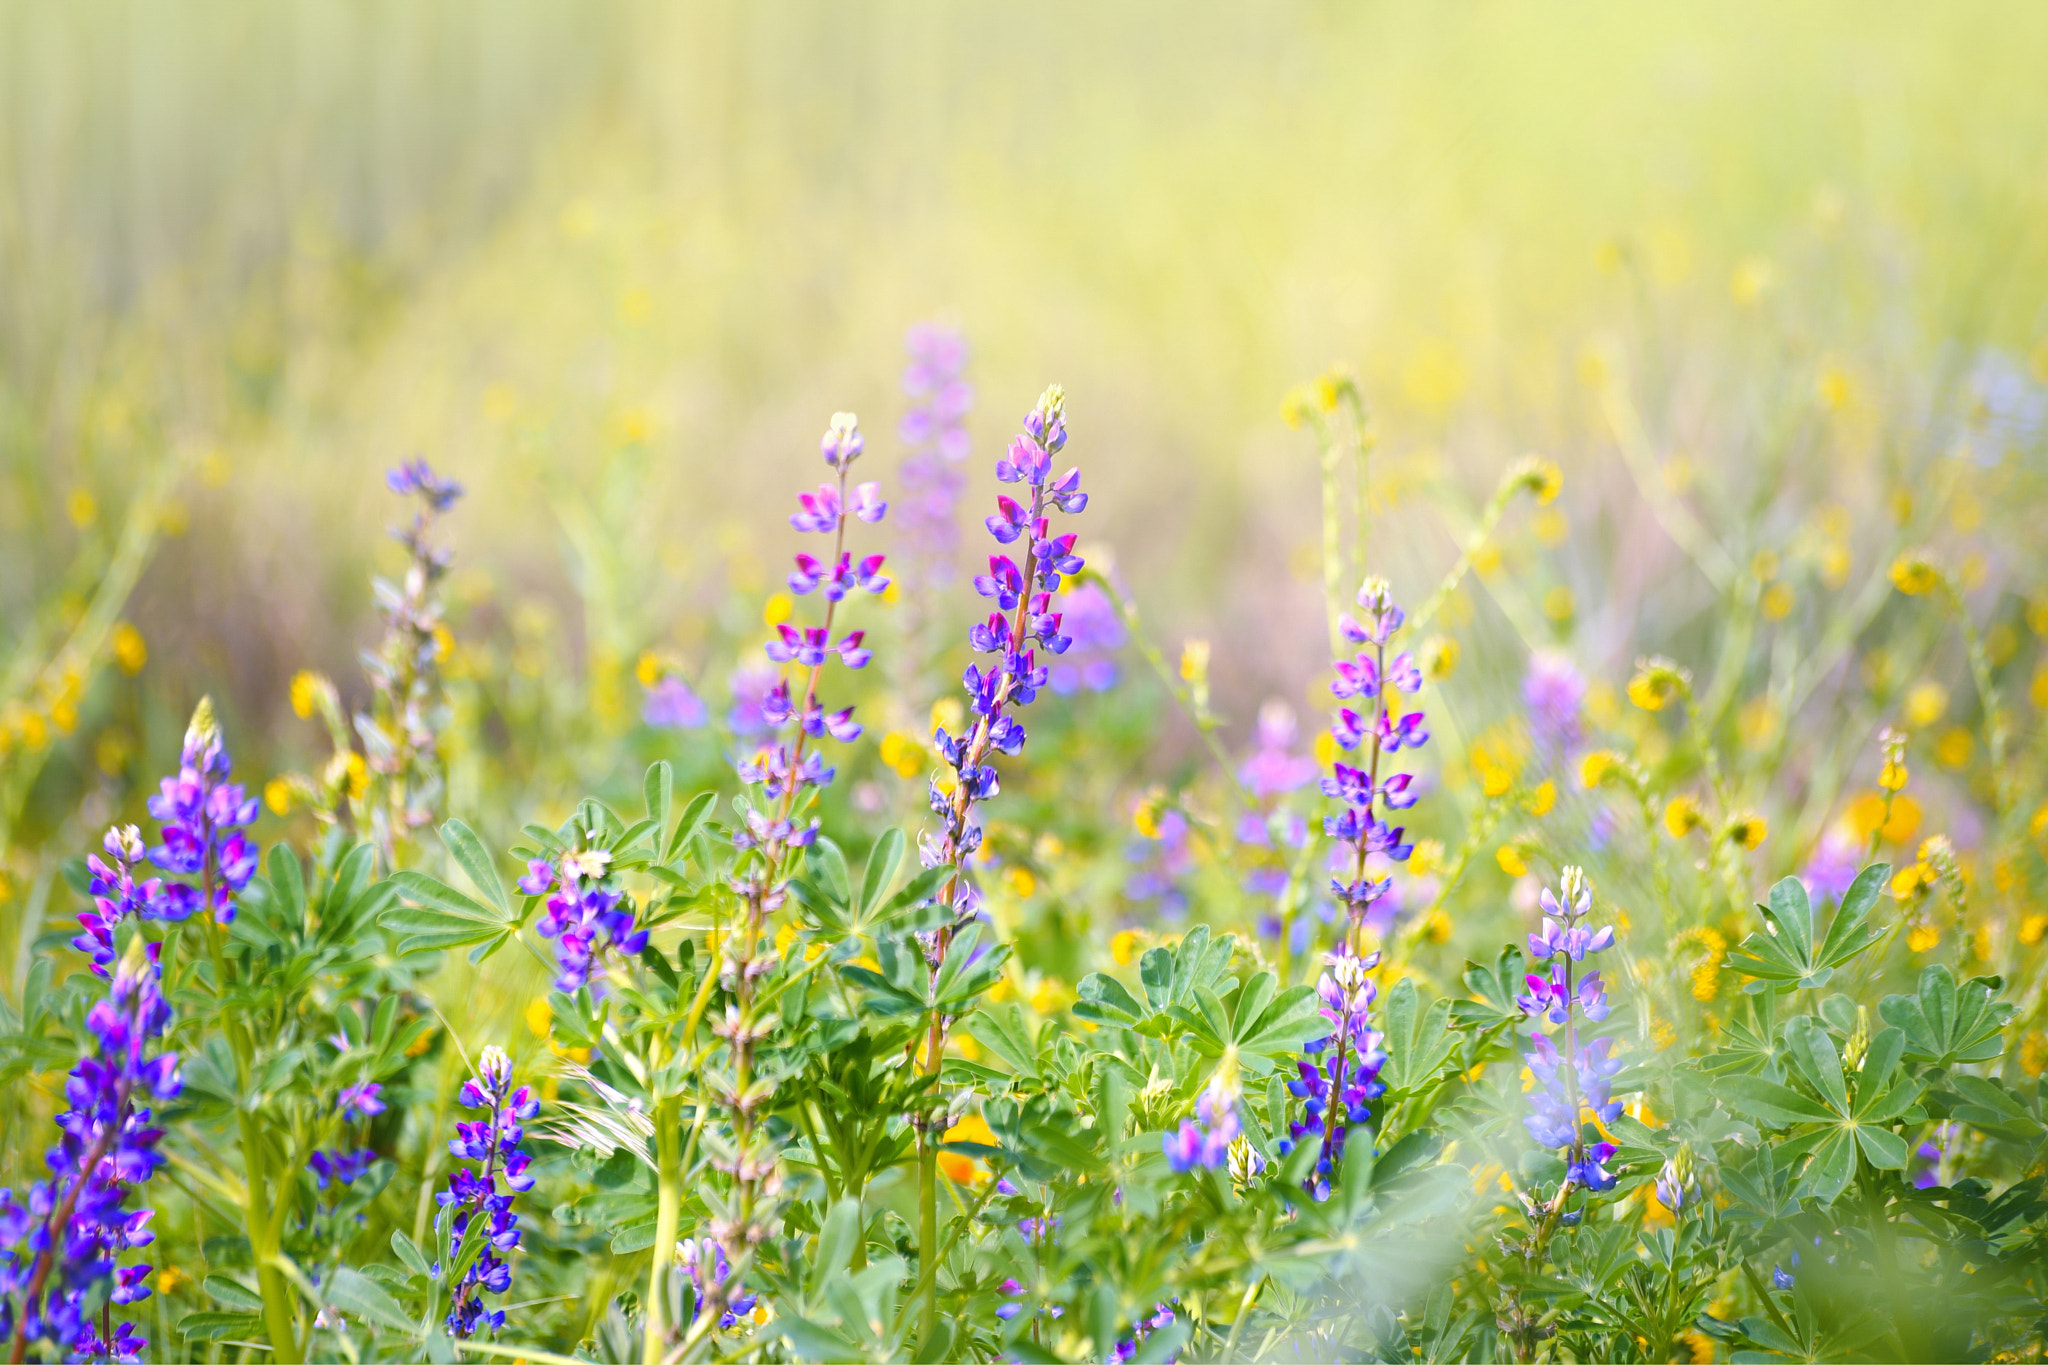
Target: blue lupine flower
pixel 1015 676
pixel 935 431
pixel 1205 1139
pixel 1574 1080
pixel 117 896
pixel 69 1234
pixel 203 815
pixel 585 913
pixel 705 1261
pixel 493 1142
pixel 1335 1093
pixel 1374 677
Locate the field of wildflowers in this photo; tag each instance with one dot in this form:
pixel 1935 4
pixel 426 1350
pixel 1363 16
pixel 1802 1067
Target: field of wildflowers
pixel 1528 845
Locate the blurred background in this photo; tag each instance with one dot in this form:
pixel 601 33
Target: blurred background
pixel 1763 281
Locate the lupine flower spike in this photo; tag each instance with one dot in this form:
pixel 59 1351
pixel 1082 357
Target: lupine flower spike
pixel 1335 1093
pixel 1205 1140
pixel 473 1195
pixel 1573 1082
pixel 203 816
pixel 585 911
pixel 1371 676
pixel 68 1236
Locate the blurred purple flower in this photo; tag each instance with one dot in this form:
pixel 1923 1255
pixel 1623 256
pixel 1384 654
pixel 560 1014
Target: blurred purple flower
pixel 671 705
pixel 1274 767
pixel 1554 691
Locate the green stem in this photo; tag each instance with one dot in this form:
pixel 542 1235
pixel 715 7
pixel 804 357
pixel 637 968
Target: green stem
pixel 668 1208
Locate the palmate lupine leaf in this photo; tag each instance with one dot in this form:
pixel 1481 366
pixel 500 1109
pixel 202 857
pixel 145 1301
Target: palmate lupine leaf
pixel 434 915
pixel 1945 1023
pixel 1832 1124
pixel 1418 1041
pixel 1786 956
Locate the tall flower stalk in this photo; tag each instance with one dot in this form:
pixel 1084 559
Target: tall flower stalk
pixel 1022 623
pixel 1572 1078
pixel 934 431
pixel 1336 1091
pixel 1371 676
pixel 787 772
pixel 69 1235
pixel 203 816
pixel 473 1196
pixel 400 731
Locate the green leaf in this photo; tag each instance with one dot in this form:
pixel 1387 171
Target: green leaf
pixel 1418 1041
pixel 1812 1050
pixel 475 861
pixel 214 1326
pixel 1105 1000
pixel 1945 1024
pixel 1785 956
pixel 883 861
pixel 232 1295
pixel 660 790
pixel 287 886
pixel 406 1251
pixel 1778 1105
pixel 837 1239
pixel 1288 1020
pixel 1882 1148
pixel 1832 1166
pixel 353 1292
pixel 694 816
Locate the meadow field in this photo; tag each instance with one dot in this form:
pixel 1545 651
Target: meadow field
pixel 1514 533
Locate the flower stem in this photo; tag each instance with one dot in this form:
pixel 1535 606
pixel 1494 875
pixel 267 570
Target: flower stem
pixel 668 1206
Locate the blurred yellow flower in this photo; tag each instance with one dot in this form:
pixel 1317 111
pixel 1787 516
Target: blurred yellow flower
pixel 1747 829
pixel 305 693
pixel 958 1167
pixel 1751 277
pixel 1683 815
pixel 1867 810
pixel 82 508
pixel 778 609
pixel 131 651
pixel 2031 929
pixel 1551 527
pixel 1124 945
pixel 1019 881
pixel 1045 996
pixel 1926 702
pixel 1915 574
pixel 1922 937
pixel 1437 928
pixel 647 672
pixel 903 753
pixel 1595 766
pixel 1953 749
pixel 499 402
pixel 948 712
pixel 1833 387
pixel 277 794
pixel 1543 798
pixel 1559 604
pixel 1835 563
pixel 1296 405
pixel 1439 658
pixel 1758 723
pixel 1510 860
pixel 1777 602
pixel 1893 777
pixel 1657 682
pixel 1434 376
pixel 540 1017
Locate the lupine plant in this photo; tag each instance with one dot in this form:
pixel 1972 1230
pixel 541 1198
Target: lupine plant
pixel 1532 1074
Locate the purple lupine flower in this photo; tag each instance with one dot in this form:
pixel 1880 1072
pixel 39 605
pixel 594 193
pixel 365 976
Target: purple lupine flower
pixel 1205 1139
pixel 493 1142
pixel 116 896
pixel 671 705
pixel 1094 632
pixel 584 913
pixel 785 764
pixel 1573 1080
pixel 1160 860
pixel 69 1234
pixel 1274 766
pixel 203 815
pixel 1376 678
pixel 340 1168
pixel 1161 1316
pixel 1836 860
pixel 934 430
pixel 415 476
pixel 1014 675
pixel 1335 1093
pixel 360 1101
pixel 1555 693
pixel 704 1260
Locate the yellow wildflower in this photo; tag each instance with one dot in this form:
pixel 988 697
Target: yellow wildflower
pixel 131 651
pixel 277 794
pixel 1748 829
pixel 1595 766
pixel 1657 682
pixel 1922 937
pixel 1543 798
pixel 1019 881
pixel 903 753
pixel 1124 945
pixel 2031 929
pixel 540 1017
pixel 1915 573
pixel 779 608
pixel 1683 815
pixel 1952 750
pixel 1439 658
pixel 1777 602
pixel 1510 860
